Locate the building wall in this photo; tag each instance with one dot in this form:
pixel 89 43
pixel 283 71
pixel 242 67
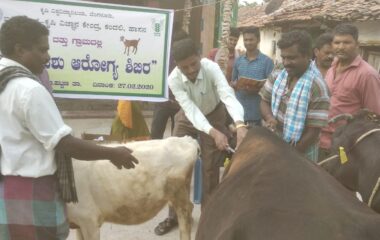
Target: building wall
pixel 268 44
pixel 369 32
pixel 207 29
pixel 369 39
pixel 240 44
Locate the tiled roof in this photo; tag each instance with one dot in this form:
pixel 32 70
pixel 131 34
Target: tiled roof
pixel 304 10
pixel 350 10
pixel 249 16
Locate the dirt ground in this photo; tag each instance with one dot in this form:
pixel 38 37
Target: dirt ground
pixel 143 231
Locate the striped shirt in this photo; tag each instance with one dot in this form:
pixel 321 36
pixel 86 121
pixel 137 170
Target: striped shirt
pixel 319 104
pixel 259 68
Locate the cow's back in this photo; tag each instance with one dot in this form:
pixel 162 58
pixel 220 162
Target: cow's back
pixel 136 195
pixel 274 193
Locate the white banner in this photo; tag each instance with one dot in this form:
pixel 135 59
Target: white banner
pixel 102 51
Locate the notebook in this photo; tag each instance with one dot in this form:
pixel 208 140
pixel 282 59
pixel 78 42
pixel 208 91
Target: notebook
pixel 245 83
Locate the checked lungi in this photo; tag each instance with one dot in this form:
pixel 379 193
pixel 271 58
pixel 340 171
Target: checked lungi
pixel 31 209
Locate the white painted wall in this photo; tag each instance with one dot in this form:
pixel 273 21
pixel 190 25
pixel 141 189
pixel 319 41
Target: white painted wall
pixel 268 43
pixel 240 43
pixel 369 31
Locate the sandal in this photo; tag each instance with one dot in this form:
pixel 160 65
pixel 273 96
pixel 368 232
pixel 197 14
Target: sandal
pixel 165 226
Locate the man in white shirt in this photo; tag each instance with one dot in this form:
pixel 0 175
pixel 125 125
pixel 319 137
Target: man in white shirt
pixel 200 87
pixel 32 134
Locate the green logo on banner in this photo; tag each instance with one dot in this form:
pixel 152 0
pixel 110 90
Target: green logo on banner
pixel 157 27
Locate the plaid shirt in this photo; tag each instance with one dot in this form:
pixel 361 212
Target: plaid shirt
pixel 318 102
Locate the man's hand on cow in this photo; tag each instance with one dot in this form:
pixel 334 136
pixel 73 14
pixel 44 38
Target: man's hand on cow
pixel 220 139
pixel 122 157
pixel 271 123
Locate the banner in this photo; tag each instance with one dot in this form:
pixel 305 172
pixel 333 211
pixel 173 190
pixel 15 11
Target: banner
pixel 102 51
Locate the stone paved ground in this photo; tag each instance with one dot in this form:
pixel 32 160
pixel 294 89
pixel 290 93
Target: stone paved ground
pixel 114 231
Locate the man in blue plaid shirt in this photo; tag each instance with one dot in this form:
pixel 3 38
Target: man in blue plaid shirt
pixel 295 103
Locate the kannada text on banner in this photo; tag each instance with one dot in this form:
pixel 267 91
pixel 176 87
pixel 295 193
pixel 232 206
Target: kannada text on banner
pixel 102 51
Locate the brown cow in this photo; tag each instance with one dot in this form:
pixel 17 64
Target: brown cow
pixel 273 193
pixel 360 138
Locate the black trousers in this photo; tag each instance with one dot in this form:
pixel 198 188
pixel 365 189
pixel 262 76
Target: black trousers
pixel 162 113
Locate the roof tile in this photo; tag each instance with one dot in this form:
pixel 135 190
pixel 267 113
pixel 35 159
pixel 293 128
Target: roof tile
pixel 301 10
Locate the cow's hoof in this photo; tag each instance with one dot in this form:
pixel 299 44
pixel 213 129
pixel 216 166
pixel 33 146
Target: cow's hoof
pixel 165 226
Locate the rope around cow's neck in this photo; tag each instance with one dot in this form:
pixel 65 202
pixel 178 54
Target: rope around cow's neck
pixel 328 159
pixel 374 191
pixel 376 188
pixel 377 185
pixel 366 135
pixel 363 136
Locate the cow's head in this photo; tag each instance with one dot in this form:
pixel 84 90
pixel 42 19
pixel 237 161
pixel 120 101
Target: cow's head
pixel 344 142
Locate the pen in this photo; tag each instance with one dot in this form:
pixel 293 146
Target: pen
pixel 230 149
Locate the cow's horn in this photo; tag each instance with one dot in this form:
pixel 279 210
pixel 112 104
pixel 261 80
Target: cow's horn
pixel 339 117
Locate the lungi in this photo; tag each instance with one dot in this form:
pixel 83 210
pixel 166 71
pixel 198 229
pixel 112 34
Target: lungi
pixel 31 209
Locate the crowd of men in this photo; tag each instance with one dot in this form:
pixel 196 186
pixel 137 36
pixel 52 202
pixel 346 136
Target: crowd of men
pixel 295 102
pixel 316 83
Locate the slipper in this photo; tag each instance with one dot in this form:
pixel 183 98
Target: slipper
pixel 165 226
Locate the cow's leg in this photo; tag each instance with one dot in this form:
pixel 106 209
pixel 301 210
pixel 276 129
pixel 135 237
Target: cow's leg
pixel 183 208
pixel 79 234
pixel 90 231
pixel 88 218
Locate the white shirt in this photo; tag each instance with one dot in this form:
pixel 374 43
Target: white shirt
pixel 31 127
pixel 201 97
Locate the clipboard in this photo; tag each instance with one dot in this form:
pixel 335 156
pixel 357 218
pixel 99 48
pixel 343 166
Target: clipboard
pixel 249 84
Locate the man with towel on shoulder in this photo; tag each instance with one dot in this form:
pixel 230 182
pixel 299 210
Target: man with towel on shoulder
pixel 295 104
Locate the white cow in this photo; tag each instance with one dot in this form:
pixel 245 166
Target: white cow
pixel 107 194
